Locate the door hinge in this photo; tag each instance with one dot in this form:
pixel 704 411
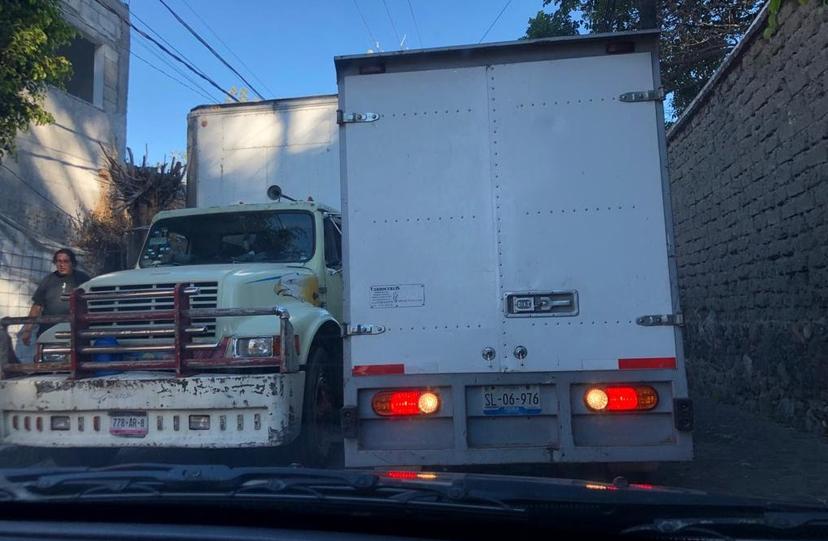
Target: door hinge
pixel 642 95
pixel 352 118
pixel 357 330
pixel 661 319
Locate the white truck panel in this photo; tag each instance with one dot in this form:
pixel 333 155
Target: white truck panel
pixel 537 178
pixel 238 150
pixel 424 204
pixel 588 216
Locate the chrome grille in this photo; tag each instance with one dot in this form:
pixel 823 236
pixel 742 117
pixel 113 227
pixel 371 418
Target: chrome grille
pixel 206 298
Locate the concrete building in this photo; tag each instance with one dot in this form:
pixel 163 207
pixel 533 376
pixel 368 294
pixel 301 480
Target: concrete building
pixel 55 176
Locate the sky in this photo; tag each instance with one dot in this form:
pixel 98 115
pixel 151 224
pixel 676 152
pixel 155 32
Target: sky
pixel 283 48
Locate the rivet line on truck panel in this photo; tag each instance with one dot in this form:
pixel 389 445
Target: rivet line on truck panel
pixel 423 113
pixel 427 219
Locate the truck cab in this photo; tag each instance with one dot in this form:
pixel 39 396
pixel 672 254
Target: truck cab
pixel 225 334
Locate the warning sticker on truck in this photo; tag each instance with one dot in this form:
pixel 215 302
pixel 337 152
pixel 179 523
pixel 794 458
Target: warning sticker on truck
pixel 398 296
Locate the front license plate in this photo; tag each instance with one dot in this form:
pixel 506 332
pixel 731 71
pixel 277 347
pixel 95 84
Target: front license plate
pixel 512 400
pixel 128 425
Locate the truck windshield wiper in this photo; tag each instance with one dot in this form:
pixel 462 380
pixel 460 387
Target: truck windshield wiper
pixel 268 483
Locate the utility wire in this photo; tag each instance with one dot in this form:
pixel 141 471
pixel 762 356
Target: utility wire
pixel 393 26
pixel 35 190
pixel 416 26
pixel 162 38
pixel 171 46
pixel 175 69
pixel 179 81
pixel 166 50
pixel 218 37
pixel 210 48
pixel 374 42
pixel 494 22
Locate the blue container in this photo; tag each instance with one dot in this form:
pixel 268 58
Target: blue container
pixel 106 357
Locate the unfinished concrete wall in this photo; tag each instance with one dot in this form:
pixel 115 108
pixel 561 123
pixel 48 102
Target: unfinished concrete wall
pixel 749 175
pixel 55 176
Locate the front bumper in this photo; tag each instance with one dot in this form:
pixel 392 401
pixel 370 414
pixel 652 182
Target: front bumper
pixel 257 410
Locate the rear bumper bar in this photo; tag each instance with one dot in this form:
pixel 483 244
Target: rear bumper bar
pixel 562 429
pixel 257 410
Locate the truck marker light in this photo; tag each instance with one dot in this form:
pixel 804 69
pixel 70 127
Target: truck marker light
pixel 614 398
pixel 410 475
pixel 395 403
pixel 199 422
pixel 60 422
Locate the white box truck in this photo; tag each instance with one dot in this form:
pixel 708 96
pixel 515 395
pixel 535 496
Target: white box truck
pixel 226 333
pixel 510 289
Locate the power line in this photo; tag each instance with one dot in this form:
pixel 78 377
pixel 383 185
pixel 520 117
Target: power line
pixel 175 56
pixel 210 48
pixel 494 22
pixel 171 46
pixel 374 42
pixel 162 38
pixel 35 190
pixel 391 19
pixel 228 48
pixel 179 81
pixel 175 69
pixel 416 26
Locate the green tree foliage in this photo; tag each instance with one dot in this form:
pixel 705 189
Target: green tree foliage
pixel 695 37
pixel 31 31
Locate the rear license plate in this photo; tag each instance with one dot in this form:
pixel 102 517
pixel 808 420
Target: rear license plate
pixel 128 425
pixel 512 400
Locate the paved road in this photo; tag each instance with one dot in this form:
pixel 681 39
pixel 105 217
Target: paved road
pixel 736 452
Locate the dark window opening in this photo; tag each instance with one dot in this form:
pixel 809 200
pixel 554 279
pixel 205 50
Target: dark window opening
pixel 81 53
pixel 333 244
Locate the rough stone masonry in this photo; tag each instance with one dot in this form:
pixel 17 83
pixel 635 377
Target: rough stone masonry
pixel 749 177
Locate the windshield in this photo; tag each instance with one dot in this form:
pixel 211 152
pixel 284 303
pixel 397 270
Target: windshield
pixel 240 237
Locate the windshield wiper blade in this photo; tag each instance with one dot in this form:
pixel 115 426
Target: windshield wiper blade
pixel 780 521
pixel 270 483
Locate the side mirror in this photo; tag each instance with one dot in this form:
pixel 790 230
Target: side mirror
pixel 274 192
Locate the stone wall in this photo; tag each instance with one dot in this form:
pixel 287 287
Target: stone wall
pixel 749 177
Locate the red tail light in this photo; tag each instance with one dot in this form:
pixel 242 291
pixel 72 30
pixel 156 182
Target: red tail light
pixel 416 402
pixel 410 475
pixel 406 475
pixel 621 398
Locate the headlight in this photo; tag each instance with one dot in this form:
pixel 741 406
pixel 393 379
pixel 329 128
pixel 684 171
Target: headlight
pixel 259 346
pixel 47 357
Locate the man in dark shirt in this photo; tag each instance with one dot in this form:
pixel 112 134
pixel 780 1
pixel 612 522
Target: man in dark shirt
pixel 47 298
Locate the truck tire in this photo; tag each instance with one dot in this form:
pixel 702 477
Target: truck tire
pixel 83 457
pixel 321 434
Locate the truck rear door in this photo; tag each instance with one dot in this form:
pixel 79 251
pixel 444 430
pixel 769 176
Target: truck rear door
pixel 514 207
pixel 419 223
pixel 579 214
